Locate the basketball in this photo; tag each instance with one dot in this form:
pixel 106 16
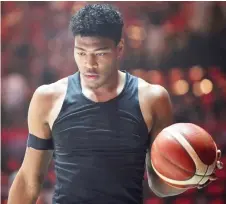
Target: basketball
pixel 184 155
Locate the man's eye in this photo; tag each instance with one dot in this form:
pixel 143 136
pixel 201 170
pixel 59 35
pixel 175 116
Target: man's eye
pixel 100 54
pixel 81 53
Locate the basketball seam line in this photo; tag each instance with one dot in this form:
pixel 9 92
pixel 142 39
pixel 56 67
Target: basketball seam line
pixel 200 159
pixel 182 133
pixel 184 150
pixel 175 164
pixel 185 139
pixel 203 175
pixel 189 155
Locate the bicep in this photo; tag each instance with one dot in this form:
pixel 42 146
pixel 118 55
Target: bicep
pixel 163 117
pixel 36 162
pixel 38 115
pixel 162 112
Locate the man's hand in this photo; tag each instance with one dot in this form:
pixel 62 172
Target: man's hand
pixel 213 177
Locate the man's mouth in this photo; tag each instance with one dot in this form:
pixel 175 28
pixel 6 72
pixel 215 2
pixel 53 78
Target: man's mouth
pixel 91 75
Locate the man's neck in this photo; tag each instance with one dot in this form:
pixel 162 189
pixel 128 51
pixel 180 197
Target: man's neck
pixel 111 86
pixel 109 91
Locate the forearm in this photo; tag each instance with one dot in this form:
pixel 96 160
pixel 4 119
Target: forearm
pixel 158 186
pixel 22 193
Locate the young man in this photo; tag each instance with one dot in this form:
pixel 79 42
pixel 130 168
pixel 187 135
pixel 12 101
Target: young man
pixel 99 122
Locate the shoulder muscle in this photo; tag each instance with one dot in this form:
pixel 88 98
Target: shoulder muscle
pixel 158 104
pixel 41 105
pixel 161 108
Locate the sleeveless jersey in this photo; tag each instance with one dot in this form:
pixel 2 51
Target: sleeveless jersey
pixel 99 147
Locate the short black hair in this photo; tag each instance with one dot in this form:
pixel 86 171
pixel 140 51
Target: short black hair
pixel 102 20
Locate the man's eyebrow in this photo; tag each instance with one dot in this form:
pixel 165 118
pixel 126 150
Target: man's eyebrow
pixel 98 49
pixel 79 48
pixel 102 48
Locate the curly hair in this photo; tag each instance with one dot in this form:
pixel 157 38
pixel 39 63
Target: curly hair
pixel 100 20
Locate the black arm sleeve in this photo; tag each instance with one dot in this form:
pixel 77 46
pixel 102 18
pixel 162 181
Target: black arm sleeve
pixel 38 143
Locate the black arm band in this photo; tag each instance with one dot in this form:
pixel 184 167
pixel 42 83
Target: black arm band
pixel 38 143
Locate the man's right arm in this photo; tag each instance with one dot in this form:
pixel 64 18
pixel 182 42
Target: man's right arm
pixel 27 184
pixel 163 117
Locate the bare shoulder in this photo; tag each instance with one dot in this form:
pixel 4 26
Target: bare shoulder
pixel 45 97
pixel 50 92
pixel 53 89
pixel 156 99
pixel 152 92
pixel 153 100
pixel 43 103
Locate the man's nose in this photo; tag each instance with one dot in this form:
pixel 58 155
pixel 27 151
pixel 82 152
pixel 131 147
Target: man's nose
pixel 91 61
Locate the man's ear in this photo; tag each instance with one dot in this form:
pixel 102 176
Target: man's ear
pixel 120 48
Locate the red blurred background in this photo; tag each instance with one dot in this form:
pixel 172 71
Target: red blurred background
pixel 180 45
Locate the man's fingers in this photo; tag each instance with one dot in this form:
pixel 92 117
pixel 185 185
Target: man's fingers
pixel 213 177
pixel 220 165
pixel 204 185
pixel 218 154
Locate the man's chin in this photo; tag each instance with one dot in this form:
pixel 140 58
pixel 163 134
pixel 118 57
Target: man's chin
pixel 94 85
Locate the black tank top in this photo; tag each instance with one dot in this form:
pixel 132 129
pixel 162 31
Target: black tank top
pixel 100 148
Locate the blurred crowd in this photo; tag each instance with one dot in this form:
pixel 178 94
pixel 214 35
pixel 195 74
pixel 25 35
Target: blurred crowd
pixel 180 45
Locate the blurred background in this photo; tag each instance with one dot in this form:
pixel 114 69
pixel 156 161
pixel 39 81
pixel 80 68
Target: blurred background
pixel 179 45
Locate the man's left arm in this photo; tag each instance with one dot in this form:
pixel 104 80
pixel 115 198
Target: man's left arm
pixel 162 117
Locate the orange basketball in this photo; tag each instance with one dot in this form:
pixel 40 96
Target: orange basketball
pixel 184 155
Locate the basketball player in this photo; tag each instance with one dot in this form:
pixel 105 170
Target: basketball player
pixel 99 122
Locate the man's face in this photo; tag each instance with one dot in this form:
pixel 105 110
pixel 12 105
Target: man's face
pixel 97 59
